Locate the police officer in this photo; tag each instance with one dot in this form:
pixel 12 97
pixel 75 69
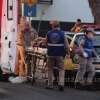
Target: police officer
pixel 56 45
pixel 87 50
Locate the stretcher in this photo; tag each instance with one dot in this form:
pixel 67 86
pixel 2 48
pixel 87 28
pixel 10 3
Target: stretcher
pixel 37 62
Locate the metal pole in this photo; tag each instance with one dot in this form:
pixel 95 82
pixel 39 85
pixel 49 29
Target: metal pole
pixel 40 23
pixel 42 14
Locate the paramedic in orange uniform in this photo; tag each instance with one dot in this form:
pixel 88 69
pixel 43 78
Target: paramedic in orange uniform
pixel 25 37
pixel 20 67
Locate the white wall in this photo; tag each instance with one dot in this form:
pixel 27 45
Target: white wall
pixel 65 10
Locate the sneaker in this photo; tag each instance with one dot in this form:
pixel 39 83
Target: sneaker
pixel 48 85
pixel 90 86
pixel 61 88
pixel 55 83
pixel 77 85
pixel 89 83
pixel 80 86
pixel 10 79
pixel 18 80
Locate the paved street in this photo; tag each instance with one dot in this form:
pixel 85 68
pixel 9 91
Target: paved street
pixel 27 92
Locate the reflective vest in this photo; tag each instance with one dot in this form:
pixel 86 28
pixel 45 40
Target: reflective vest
pixel 55 39
pixel 88 46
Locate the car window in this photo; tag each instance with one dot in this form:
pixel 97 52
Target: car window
pixel 97 50
pixel 69 38
pixel 96 43
pixel 78 39
pixel 96 40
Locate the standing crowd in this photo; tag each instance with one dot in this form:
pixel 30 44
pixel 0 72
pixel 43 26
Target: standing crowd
pixel 57 49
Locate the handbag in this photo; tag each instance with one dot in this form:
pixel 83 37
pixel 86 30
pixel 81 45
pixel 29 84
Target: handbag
pixel 68 64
